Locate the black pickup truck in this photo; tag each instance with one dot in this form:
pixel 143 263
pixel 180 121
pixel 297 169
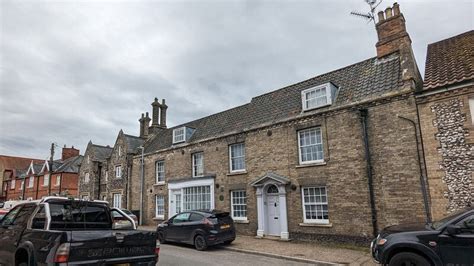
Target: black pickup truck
pixel 62 231
pixel 449 241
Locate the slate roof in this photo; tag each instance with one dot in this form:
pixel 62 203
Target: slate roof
pixel 70 165
pixel 450 61
pixel 101 153
pixel 133 142
pixel 12 162
pixel 371 78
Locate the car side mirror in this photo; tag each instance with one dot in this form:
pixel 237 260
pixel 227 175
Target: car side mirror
pixel 453 229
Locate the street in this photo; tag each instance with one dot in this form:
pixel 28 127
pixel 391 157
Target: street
pixel 186 255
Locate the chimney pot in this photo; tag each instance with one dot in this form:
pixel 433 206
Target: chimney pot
pixel 163 108
pixel 388 12
pixel 396 9
pixel 381 16
pixel 155 114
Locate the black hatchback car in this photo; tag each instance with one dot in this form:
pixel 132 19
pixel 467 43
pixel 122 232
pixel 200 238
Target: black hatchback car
pixel 449 241
pixel 198 228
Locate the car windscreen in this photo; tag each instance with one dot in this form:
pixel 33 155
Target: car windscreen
pixel 438 224
pixel 78 215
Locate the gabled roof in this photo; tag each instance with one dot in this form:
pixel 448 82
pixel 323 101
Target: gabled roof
pixel 450 61
pixel 133 142
pixel 369 79
pixel 70 165
pixel 101 153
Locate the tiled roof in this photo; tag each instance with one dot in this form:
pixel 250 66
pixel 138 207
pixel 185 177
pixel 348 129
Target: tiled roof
pixel 450 61
pixel 133 142
pixel 101 153
pixel 11 162
pixel 365 80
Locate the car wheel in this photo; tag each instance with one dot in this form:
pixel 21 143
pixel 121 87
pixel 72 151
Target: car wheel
pixel 408 259
pixel 161 238
pixel 200 243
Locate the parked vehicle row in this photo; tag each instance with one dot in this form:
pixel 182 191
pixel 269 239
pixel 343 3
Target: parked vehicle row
pixel 59 230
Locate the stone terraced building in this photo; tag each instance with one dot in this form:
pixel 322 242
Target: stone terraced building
pixel 331 157
pixel 446 108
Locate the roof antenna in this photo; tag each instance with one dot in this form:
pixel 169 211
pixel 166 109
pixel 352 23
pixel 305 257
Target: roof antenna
pixel 370 16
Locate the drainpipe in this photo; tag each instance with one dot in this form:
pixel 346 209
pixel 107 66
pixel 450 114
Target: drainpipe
pixel 99 166
pixel 142 185
pixel 363 119
pixel 422 179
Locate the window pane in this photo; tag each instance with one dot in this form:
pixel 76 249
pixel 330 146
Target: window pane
pixel 237 157
pixel 315 204
pixel 310 145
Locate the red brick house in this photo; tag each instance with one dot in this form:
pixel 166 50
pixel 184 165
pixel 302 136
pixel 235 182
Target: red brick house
pixel 37 180
pixel 8 169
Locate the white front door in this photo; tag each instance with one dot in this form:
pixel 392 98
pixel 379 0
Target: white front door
pixel 175 202
pixel 273 215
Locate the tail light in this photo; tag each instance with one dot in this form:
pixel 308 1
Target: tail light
pixel 208 223
pixel 62 253
pixel 157 247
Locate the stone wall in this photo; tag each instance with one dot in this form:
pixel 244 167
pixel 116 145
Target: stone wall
pixel 448 138
pixel 89 165
pixel 275 149
pixel 114 184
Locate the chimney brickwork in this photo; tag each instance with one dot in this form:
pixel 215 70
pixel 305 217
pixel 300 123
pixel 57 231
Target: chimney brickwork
pixel 163 108
pixel 393 37
pixel 142 127
pixel 146 125
pixel 69 153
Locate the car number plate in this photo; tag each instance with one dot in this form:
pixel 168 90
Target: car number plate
pixel 225 226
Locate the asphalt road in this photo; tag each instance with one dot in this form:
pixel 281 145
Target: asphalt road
pixel 177 255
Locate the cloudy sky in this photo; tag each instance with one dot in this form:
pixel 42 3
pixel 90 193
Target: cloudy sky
pixel 74 71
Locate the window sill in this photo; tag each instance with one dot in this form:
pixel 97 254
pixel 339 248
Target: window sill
pixel 159 218
pixel 311 164
pixel 243 172
pixel 315 225
pixel 241 221
pixel 159 183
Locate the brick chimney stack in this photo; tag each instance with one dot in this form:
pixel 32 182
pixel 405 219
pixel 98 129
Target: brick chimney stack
pixel 156 107
pixel 146 125
pixel 391 31
pixel 393 37
pixel 69 153
pixel 142 123
pixel 163 108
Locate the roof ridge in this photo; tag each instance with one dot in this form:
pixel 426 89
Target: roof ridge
pixel 452 37
pixel 128 135
pixel 211 115
pixel 315 77
pixel 101 146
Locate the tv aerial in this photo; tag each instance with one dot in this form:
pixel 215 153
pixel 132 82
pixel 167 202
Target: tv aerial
pixel 370 16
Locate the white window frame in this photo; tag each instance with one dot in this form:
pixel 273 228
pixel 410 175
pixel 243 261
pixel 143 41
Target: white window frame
pixel 31 181
pixel 321 203
pixel 178 138
pixel 231 147
pixel 106 177
pixel 300 155
pixel 328 96
pixel 117 200
pixel 119 151
pixel 22 184
pixel 12 184
pixel 198 167
pixel 160 172
pixel 46 180
pixel 118 174
pixel 181 186
pixel 87 178
pixel 159 207
pixel 232 204
pixel 58 180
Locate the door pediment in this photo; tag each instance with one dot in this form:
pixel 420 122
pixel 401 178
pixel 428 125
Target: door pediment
pixel 270 178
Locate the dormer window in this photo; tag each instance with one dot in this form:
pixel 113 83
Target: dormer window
pixel 318 96
pixel 179 135
pixel 182 134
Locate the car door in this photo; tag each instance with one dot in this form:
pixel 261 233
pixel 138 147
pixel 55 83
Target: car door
pixel 194 223
pixel 11 229
pixel 458 249
pixel 175 228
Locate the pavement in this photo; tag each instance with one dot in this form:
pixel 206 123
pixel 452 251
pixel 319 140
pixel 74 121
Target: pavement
pixel 305 253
